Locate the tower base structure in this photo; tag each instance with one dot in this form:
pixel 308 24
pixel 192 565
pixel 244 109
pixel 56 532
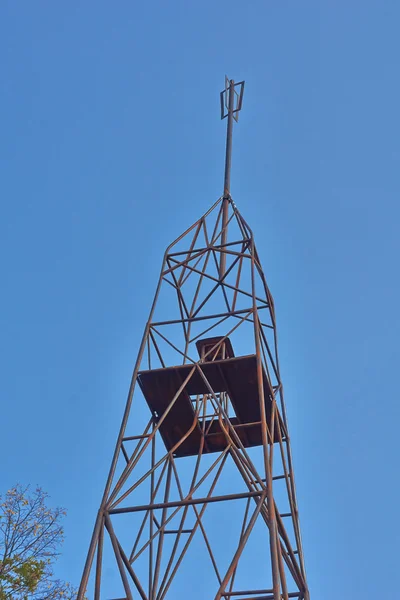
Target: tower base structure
pixel 200 500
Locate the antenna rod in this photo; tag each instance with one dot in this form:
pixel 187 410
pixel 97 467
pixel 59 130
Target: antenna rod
pixel 232 110
pixel 227 180
pixel 229 130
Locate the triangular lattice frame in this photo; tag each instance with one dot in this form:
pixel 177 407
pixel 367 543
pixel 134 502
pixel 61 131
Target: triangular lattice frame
pixel 154 510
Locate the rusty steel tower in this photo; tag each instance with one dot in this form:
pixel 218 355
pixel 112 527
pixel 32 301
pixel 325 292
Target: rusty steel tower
pixel 200 500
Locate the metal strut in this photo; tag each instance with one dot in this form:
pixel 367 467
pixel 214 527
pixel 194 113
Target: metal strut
pixel 231 104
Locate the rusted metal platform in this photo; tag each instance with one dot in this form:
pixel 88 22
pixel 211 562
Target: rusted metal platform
pixel 236 376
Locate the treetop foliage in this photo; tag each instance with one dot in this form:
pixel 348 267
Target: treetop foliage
pixel 31 534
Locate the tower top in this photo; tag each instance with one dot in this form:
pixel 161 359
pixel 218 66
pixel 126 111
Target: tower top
pixel 231 104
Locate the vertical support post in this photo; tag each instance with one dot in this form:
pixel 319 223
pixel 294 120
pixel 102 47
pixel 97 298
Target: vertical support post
pixel 162 533
pixel 151 523
pixel 100 515
pixel 273 536
pixel 99 564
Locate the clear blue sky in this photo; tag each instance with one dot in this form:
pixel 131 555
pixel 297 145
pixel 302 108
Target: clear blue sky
pixel 111 145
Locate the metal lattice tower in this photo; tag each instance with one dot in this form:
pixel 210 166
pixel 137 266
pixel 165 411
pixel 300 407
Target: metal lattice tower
pixel 200 499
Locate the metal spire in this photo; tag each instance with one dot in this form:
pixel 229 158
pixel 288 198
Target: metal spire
pixel 231 104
